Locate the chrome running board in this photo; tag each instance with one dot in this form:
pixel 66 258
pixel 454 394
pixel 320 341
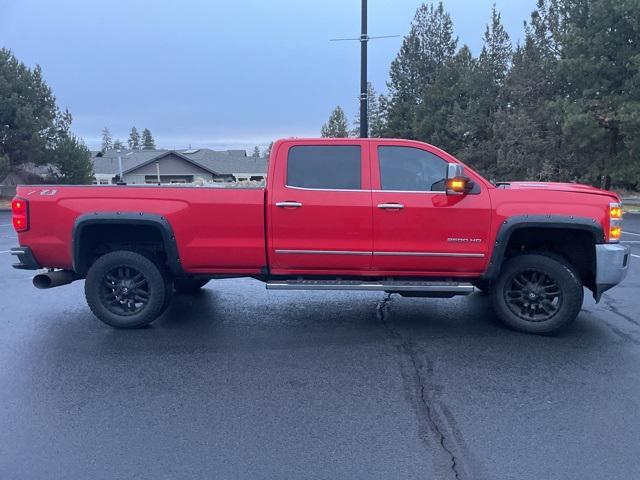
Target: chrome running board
pixel 455 288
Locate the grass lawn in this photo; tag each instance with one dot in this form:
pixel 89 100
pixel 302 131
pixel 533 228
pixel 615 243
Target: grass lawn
pixel 631 208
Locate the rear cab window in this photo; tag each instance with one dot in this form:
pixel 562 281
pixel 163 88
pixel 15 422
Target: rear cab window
pixel 324 167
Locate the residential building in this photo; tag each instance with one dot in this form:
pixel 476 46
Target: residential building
pixel 177 166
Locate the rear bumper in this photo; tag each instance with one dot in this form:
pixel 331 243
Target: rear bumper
pixel 612 266
pixel 26 260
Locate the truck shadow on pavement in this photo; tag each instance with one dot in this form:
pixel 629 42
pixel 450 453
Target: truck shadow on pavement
pixel 210 321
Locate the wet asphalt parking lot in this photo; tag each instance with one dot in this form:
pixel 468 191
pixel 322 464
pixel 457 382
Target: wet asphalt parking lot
pixel 238 382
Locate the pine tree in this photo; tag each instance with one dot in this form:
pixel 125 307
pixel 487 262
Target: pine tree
pixel 134 139
pixel 118 145
pixel 107 140
pixel 256 152
pixel 598 70
pixel 527 129
pixel 336 126
pixel 375 114
pixel 72 160
pixel 429 46
pixel 267 152
pixel 444 114
pixel 148 143
pixel 27 112
pixel 487 97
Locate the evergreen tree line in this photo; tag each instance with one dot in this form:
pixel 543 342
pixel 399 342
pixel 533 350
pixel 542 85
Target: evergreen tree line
pixel 33 130
pixel 562 105
pixel 134 142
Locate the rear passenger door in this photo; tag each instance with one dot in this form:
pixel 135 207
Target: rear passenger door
pixel 319 210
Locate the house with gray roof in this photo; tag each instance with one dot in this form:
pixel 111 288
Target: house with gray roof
pixel 177 166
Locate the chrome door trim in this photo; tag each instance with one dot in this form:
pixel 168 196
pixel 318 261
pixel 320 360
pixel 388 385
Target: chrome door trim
pixel 382 254
pixel 429 254
pixel 364 190
pixel 327 189
pixel 409 191
pixel 322 252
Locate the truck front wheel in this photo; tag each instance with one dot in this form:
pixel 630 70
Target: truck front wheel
pixel 536 293
pixel 126 289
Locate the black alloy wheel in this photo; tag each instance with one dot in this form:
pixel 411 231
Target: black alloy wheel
pixel 537 293
pixel 127 289
pixel 533 295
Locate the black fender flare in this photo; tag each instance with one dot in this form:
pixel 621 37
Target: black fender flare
pixel 512 224
pixel 126 218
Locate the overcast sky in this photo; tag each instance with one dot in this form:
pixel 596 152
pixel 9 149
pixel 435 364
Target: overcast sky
pixel 220 74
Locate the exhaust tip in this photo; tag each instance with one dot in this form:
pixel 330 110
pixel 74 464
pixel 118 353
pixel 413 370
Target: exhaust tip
pixel 53 279
pixel 42 281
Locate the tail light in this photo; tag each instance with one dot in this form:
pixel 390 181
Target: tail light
pixel 615 222
pixel 20 210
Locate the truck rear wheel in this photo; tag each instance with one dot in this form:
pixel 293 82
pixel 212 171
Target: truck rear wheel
pixel 126 289
pixel 188 286
pixel 536 293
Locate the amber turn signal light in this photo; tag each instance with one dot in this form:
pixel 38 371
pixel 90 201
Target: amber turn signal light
pixel 615 212
pixel 615 233
pixel 459 185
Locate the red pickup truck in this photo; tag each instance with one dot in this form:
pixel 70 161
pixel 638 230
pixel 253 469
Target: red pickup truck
pixel 336 214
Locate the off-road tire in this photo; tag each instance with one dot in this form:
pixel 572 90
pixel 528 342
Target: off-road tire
pixel 155 294
pixel 531 310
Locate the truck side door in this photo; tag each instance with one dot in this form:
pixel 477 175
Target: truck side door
pixel 418 228
pixel 319 208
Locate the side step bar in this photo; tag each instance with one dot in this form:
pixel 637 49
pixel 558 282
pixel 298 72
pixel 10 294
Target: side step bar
pixel 455 288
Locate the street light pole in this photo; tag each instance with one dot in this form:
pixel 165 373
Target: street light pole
pixel 364 101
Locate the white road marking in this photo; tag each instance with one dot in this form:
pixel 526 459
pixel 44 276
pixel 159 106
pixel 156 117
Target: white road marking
pixel 631 233
pixel 6 251
pixel 6 224
pixel 635 256
pixel 630 241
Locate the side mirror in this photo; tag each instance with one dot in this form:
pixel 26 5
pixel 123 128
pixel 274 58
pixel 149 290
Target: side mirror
pixel 457 182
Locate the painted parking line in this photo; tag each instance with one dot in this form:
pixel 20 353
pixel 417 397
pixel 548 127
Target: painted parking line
pixel 631 233
pixel 635 256
pixel 632 242
pixel 6 251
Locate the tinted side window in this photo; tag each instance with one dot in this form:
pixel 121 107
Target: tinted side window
pixel 411 169
pixel 324 166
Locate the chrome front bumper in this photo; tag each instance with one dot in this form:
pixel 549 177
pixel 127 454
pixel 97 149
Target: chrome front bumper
pixel 612 265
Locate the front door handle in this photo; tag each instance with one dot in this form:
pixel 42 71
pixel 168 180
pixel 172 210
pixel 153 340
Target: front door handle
pixel 391 206
pixel 288 204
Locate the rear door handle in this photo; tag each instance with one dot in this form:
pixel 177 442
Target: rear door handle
pixel 288 204
pixel 391 206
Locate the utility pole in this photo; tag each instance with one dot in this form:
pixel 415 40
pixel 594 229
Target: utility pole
pixel 364 91
pixel 364 100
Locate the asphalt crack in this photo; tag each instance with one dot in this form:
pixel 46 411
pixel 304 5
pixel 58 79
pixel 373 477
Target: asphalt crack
pixel 419 382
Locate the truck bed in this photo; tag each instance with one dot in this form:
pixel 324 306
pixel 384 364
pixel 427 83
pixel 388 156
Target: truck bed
pixel 216 229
